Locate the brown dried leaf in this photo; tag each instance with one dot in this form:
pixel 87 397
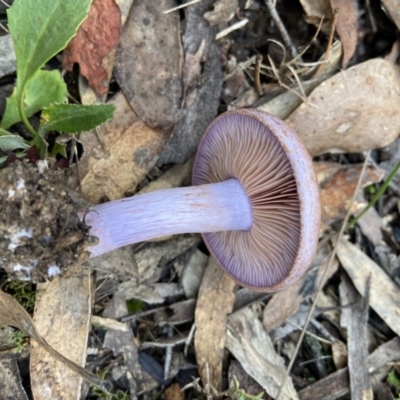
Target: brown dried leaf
pixel 95 38
pixel 174 392
pixel 346 26
pixel 119 156
pixel 337 184
pixel 384 293
pixel 345 113
pixel 202 98
pixel 149 63
pixel 12 314
pixel 55 323
pixel 215 302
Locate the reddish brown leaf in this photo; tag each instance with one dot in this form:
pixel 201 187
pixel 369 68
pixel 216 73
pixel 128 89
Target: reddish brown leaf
pixel 346 27
pixel 96 37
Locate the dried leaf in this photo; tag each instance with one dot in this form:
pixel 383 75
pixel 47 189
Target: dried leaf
pixel 354 320
pixel 55 323
pixel 251 345
pixel 214 303
pixel 384 293
pixel 95 38
pixel 316 10
pixel 337 184
pixel 346 111
pixel 336 384
pixel 11 385
pixel 392 7
pixel 346 26
pixel 202 98
pixel 149 63
pixel 174 392
pixel 224 11
pixel 119 156
pixel 12 314
pixel 151 294
pixel 193 273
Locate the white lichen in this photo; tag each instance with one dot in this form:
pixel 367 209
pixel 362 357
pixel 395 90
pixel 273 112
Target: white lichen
pixel 15 239
pixel 53 270
pixel 26 270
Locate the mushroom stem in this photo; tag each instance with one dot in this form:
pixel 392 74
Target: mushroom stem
pixel 215 207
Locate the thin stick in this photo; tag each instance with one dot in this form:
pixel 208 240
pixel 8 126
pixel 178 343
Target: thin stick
pixel 257 83
pixel 4 28
pixel 329 45
pixel 281 27
pixel 189 3
pixel 233 27
pixel 309 333
pixel 322 282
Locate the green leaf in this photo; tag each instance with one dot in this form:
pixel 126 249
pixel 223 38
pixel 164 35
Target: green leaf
pixel 12 142
pixel 44 88
pixel 58 148
pixel 73 118
pixel 40 29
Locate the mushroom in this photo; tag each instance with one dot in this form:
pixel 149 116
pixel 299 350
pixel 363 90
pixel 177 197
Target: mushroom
pixel 255 200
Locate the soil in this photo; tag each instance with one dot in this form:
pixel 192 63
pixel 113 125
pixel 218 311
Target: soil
pixel 41 235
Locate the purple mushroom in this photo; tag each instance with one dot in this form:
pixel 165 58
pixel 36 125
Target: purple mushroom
pixel 255 200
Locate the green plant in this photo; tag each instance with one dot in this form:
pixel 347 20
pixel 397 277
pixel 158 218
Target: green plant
pixel 394 380
pixel 40 29
pixel 23 292
pixel 101 394
pixel 18 338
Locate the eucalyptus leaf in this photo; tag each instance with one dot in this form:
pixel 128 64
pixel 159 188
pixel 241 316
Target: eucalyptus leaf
pixel 73 118
pixel 45 88
pixel 40 29
pixel 12 142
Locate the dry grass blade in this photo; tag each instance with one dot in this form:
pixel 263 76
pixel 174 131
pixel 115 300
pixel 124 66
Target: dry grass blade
pixel 333 254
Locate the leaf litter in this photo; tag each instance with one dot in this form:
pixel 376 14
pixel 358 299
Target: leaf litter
pixel 348 111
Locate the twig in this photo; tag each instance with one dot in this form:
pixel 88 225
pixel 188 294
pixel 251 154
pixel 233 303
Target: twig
pixel 320 339
pixel 189 3
pixel 241 67
pixel 4 28
pixel 329 45
pixel 322 282
pixel 233 27
pixel 257 83
pixel 281 27
pixel 189 340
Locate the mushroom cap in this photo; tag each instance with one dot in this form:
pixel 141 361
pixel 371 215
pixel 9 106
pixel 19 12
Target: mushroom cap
pixel 276 172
